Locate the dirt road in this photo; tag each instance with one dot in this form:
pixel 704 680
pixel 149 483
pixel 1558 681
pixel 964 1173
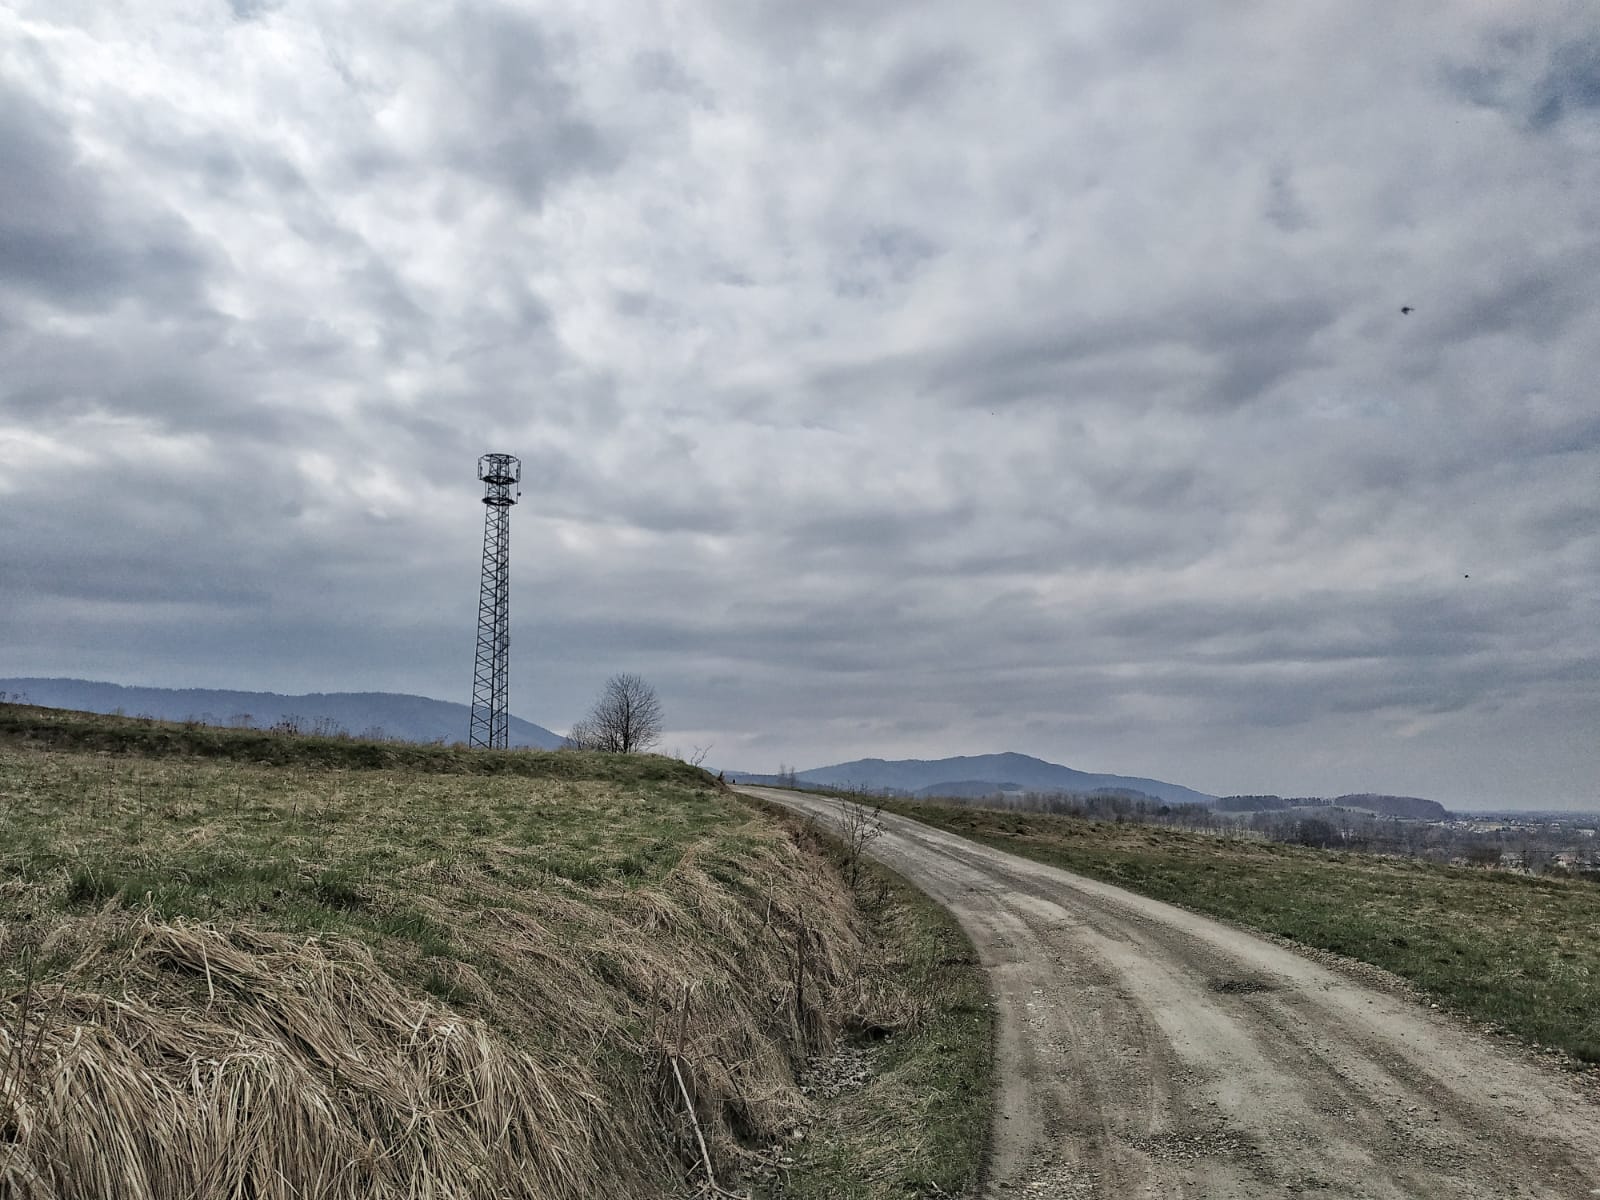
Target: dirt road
pixel 1146 1051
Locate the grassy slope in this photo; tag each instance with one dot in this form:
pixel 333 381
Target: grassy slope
pixel 919 1126
pixel 562 904
pixel 1517 951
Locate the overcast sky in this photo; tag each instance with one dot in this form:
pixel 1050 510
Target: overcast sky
pixel 890 379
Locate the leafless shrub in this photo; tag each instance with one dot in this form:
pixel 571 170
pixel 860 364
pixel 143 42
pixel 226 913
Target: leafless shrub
pixel 861 826
pixel 328 727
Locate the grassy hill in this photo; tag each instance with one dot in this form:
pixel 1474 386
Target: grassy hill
pixel 238 964
pixel 1517 952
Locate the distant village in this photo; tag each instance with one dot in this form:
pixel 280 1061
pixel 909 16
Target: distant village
pixel 1529 843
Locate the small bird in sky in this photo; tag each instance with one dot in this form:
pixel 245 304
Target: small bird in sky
pixel 1406 310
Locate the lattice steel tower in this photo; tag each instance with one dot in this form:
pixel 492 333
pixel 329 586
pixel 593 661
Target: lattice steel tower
pixel 491 725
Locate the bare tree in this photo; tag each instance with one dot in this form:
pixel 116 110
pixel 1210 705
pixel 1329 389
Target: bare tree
pixel 626 719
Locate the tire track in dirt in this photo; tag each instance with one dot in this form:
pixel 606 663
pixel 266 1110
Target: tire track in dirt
pixel 1144 1051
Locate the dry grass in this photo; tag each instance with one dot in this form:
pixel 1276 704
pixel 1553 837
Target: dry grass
pixel 232 980
pixel 305 1072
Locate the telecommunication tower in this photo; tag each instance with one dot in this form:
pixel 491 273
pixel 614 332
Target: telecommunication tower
pixel 491 725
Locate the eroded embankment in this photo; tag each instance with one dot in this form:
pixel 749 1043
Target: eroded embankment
pixel 220 980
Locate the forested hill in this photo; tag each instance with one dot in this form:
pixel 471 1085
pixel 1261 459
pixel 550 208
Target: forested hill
pixel 376 714
pixel 1001 771
pixel 1413 808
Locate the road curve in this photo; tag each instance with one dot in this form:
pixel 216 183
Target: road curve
pixel 1146 1051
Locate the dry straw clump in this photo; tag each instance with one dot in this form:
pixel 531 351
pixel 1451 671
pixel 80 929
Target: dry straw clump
pixel 289 1069
pixel 180 1058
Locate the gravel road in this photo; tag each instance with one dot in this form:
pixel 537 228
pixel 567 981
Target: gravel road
pixel 1147 1051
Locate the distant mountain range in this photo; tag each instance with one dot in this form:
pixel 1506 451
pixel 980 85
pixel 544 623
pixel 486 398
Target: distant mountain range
pixel 983 774
pixel 387 714
pixel 977 776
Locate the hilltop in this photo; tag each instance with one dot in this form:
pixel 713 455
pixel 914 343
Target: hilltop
pixel 999 772
pixel 384 715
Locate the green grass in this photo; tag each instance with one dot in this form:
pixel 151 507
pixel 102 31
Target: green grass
pixel 1520 952
pixel 325 850
pixel 28 726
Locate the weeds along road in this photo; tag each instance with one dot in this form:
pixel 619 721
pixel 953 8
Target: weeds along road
pixel 1148 1051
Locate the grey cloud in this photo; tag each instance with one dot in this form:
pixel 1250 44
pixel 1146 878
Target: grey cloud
pixel 879 402
pixel 924 78
pixel 1536 298
pixel 876 532
pixel 250 10
pixel 884 257
pixel 1255 348
pixel 1260 340
pixel 1375 632
pixel 1284 207
pixel 520 122
pixel 61 236
pixel 171 372
pixel 659 70
pixel 1571 87
pixel 1517 76
pixel 783 28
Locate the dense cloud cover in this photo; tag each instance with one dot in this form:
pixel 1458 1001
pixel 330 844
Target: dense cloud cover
pixel 893 379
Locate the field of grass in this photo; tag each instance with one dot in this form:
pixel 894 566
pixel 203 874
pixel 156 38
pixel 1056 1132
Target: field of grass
pixel 244 964
pixel 1520 952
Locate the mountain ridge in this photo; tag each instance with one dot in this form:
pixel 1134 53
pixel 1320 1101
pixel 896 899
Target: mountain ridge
pixel 396 715
pixel 1005 769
